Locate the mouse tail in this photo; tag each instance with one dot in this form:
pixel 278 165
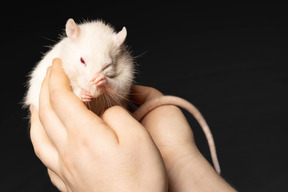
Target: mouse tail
pixel 143 110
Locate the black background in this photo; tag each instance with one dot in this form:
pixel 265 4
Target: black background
pixel 231 62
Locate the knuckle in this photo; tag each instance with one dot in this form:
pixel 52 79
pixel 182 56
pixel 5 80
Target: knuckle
pixel 54 93
pixel 155 91
pixel 112 111
pixel 38 152
pixel 55 96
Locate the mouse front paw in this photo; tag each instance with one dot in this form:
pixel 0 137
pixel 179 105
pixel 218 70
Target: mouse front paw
pixel 99 80
pixel 85 95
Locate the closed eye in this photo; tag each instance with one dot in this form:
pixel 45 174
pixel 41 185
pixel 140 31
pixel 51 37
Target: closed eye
pixel 109 70
pixel 107 66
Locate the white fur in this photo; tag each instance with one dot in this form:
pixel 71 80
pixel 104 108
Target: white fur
pixel 99 45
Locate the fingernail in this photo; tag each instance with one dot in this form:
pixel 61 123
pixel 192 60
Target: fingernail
pixel 48 70
pixel 57 60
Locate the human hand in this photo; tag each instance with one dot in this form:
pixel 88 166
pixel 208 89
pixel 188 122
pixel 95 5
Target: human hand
pixel 187 169
pixel 84 152
pixel 170 131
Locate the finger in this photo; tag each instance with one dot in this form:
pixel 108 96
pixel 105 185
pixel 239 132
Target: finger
pixel 43 147
pixel 141 94
pixel 125 126
pixel 68 107
pixel 57 181
pixel 51 124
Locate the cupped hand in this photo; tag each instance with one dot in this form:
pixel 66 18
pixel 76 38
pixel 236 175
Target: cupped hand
pixel 84 152
pixel 187 169
pixel 170 131
pixel 167 125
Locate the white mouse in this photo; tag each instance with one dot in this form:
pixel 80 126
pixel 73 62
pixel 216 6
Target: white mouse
pixel 96 62
pixel 101 72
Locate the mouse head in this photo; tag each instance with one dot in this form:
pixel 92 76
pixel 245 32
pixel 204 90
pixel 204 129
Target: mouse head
pixel 95 59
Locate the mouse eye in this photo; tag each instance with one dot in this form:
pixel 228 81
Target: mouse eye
pixel 107 66
pixel 82 61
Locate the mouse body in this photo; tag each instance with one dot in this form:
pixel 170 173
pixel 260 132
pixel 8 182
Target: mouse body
pixel 101 72
pixel 96 61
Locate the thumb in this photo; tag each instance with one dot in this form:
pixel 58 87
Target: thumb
pixel 61 78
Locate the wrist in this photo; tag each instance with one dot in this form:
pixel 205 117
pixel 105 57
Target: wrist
pixel 184 171
pixel 194 173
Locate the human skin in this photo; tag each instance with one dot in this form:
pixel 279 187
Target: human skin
pixel 84 152
pixel 187 169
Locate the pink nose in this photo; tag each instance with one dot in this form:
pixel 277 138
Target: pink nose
pixel 99 79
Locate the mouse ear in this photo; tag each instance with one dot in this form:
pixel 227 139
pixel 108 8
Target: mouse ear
pixel 72 29
pixel 121 36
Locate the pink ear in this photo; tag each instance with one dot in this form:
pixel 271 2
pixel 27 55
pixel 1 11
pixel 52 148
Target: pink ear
pixel 121 36
pixel 72 29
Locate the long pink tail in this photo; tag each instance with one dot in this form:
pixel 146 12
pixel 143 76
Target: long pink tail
pixel 172 100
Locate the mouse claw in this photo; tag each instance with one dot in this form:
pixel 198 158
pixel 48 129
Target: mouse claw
pixel 98 80
pixel 85 96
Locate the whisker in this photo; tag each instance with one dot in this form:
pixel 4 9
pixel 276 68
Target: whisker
pixel 116 97
pixel 104 100
pixel 111 98
pixel 49 39
pixel 135 102
pixel 119 96
pixel 119 99
pixel 88 104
